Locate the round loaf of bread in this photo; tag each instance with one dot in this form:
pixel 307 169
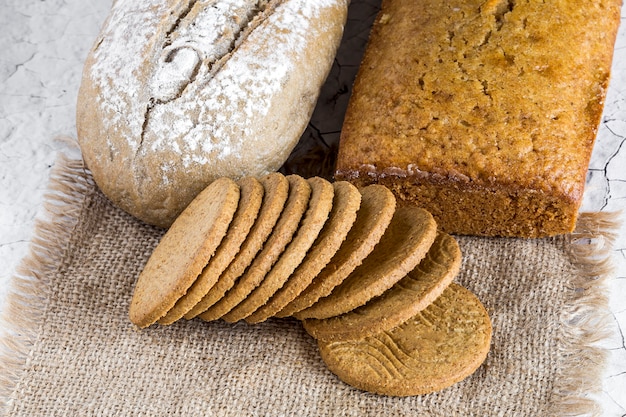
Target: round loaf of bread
pixel 177 93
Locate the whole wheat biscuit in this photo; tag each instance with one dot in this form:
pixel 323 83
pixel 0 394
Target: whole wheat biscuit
pixel 288 222
pixel 251 196
pixel 183 252
pixel 404 300
pixel 404 244
pixel 316 215
pixel 440 346
pixel 346 202
pixel 275 192
pixel 375 213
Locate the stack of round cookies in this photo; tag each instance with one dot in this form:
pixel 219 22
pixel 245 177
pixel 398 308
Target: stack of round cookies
pixel 370 280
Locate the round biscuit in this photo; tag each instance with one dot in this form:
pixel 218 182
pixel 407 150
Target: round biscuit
pixel 405 243
pixel 283 232
pixel 251 196
pixel 183 251
pixel 438 347
pixel 316 215
pixel 405 299
pixel 275 192
pixel 375 213
pixel 346 202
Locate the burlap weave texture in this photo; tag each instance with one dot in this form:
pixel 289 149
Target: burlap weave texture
pixel 74 351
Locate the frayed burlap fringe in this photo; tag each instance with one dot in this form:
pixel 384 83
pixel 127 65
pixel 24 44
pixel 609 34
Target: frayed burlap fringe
pixel 26 299
pixel 585 322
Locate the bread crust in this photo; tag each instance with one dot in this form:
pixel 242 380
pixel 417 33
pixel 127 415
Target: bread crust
pixel 178 93
pixel 483 112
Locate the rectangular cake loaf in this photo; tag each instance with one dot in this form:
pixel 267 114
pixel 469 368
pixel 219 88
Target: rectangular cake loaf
pixel 484 112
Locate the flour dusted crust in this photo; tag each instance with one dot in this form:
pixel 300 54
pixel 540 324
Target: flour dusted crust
pixel 178 93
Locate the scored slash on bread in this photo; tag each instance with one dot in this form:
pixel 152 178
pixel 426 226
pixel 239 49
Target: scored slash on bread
pixel 371 281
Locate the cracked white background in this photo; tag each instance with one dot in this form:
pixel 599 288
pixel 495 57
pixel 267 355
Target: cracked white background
pixel 43 44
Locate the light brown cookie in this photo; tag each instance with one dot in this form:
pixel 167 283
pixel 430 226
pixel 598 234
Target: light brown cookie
pixel 404 300
pixel 251 196
pixel 346 202
pixel 276 190
pixel 440 346
pixel 288 222
pixel 404 244
pixel 375 213
pixel 316 215
pixel 184 250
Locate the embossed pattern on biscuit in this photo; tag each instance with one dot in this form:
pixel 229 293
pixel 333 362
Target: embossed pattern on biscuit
pixel 438 347
pixel 405 299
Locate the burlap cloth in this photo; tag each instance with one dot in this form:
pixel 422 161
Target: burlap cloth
pixel 70 350
pixel 73 352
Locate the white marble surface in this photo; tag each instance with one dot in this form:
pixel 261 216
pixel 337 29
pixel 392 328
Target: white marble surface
pixel 42 48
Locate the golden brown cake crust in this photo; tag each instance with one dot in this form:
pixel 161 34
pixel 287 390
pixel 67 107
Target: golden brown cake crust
pixel 476 105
